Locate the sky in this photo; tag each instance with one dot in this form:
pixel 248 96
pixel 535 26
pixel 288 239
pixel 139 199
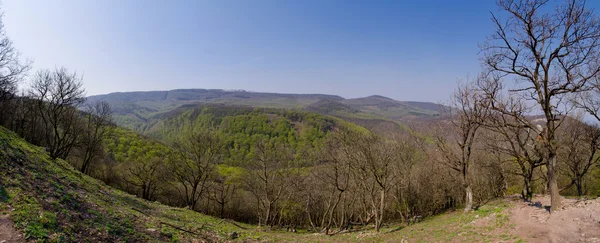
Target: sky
pixel 406 50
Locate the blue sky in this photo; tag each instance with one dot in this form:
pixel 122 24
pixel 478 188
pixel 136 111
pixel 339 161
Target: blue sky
pixel 406 50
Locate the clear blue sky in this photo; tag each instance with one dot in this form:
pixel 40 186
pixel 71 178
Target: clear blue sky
pixel 406 50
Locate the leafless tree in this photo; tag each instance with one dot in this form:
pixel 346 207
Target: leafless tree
pixel 579 151
pixel 268 177
pixel 509 134
pixel 57 95
pixel 12 71
pixel 548 52
pixel 590 101
pixel 97 121
pixel 335 173
pixel 193 164
pixel 467 113
pixel 146 175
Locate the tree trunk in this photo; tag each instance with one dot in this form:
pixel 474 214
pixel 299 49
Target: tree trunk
pixel 381 208
pixel 527 192
pixel 268 215
pixel 468 198
pixel 552 183
pixel 579 185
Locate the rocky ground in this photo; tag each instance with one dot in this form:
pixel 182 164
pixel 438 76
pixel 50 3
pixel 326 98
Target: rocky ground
pixel 576 221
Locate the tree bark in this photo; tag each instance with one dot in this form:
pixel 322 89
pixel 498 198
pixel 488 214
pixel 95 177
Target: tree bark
pixel 552 184
pixel 468 198
pixel 381 209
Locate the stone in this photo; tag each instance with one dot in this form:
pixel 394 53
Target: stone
pixel 234 235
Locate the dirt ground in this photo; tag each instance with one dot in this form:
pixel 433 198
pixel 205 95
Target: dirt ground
pixel 576 221
pixel 8 234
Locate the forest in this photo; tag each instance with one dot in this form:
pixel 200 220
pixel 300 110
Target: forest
pixel 527 125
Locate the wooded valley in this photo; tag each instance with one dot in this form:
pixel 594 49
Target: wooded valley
pixel 527 125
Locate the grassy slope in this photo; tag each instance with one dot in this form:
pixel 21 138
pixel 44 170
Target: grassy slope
pixel 50 200
pixel 490 223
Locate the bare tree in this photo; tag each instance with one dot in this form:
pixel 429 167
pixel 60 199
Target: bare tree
pixel 146 174
pixel 268 177
pixel 193 164
pixel 547 52
pixel 12 70
pixel 581 143
pixel 335 173
pixel 467 114
pixel 590 101
pixel 57 95
pixel 98 118
pixel 509 134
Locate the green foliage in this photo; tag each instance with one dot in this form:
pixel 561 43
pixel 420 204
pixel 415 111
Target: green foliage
pixel 240 128
pixel 231 174
pixel 127 146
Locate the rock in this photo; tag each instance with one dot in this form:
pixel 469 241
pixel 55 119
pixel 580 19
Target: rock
pixel 151 230
pixel 234 235
pixel 3 241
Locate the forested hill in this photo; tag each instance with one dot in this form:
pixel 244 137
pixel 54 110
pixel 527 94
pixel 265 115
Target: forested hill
pixel 135 110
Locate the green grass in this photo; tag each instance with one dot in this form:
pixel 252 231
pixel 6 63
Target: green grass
pixel 487 224
pixel 49 200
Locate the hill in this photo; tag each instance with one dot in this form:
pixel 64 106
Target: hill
pixel 49 200
pixel 134 109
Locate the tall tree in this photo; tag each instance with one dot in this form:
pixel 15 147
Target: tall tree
pixel 579 151
pixel 467 114
pixel 547 52
pixel 145 173
pixel 192 165
pixel 57 95
pixel 12 71
pixel 509 136
pixel 98 118
pixel 268 177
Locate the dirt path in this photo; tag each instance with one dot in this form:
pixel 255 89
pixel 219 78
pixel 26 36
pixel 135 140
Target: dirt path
pixel 576 221
pixel 8 234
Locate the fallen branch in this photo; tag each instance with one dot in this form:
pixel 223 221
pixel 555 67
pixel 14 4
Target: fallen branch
pixel 140 211
pixel 234 223
pixel 182 229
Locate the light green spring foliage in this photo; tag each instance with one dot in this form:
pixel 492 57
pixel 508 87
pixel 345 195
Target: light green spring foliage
pixel 240 128
pixel 124 145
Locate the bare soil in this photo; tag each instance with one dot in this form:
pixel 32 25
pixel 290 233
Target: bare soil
pixel 8 234
pixel 578 220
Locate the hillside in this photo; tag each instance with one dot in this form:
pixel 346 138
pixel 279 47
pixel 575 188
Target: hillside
pixel 50 200
pixel 46 200
pixel 134 110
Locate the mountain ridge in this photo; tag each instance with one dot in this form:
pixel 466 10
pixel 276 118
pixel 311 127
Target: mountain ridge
pixel 133 109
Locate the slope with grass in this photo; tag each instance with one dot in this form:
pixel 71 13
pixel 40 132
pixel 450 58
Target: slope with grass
pixel 51 201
